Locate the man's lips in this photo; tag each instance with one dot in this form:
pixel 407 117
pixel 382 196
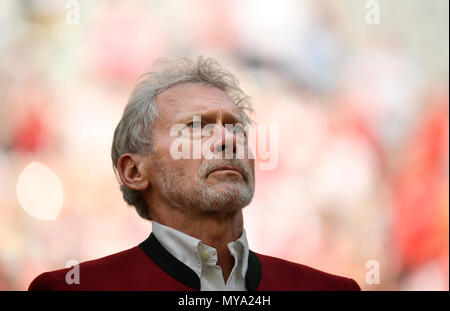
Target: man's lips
pixel 227 169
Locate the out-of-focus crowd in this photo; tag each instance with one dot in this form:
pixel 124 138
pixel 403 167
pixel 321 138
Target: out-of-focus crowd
pixel 361 188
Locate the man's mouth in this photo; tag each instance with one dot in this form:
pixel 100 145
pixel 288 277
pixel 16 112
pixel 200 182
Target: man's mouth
pixel 227 169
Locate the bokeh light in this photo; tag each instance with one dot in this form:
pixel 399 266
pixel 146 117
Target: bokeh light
pixel 39 191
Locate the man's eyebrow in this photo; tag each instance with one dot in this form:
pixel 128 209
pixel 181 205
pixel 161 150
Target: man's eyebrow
pixel 205 116
pixel 227 116
pixel 237 118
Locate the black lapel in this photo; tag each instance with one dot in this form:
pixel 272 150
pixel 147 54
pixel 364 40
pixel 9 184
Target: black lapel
pixel 169 263
pixel 186 275
pixel 254 272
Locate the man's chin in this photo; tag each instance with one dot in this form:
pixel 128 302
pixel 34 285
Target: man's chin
pixel 224 205
pixel 227 187
pixel 229 196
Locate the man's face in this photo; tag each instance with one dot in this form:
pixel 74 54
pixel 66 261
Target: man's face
pixel 202 184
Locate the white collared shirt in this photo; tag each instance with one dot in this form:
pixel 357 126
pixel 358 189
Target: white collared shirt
pixel 202 258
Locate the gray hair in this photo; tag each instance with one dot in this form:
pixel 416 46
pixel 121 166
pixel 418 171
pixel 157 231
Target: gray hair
pixel 133 132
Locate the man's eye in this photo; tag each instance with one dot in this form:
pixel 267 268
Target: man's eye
pixel 239 128
pixel 195 125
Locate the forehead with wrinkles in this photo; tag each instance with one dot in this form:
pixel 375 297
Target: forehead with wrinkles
pixel 180 102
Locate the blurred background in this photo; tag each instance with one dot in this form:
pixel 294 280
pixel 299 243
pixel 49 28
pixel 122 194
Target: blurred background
pixel 362 109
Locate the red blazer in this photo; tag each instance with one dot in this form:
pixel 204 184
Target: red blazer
pixel 149 266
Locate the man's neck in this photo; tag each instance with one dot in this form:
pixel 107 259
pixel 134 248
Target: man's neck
pixel 213 229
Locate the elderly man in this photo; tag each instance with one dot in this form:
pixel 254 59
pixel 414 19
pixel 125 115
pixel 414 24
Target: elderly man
pixel 195 203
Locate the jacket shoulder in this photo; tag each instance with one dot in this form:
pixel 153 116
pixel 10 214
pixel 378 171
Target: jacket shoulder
pixel 46 281
pixel 280 274
pixel 91 273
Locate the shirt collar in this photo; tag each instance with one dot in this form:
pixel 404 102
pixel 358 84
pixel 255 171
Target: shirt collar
pixel 187 248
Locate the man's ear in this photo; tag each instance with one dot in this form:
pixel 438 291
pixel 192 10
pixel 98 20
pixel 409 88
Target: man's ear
pixel 132 173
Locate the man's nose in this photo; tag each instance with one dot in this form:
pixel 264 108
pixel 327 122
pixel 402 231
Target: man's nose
pixel 227 142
